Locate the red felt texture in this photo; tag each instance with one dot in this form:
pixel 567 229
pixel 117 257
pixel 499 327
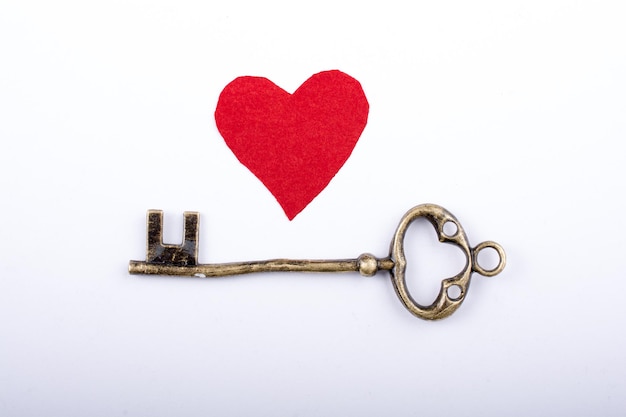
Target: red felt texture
pixel 294 143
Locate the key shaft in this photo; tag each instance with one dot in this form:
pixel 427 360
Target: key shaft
pixel 366 264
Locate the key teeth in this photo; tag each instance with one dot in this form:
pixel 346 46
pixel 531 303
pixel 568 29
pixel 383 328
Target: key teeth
pixel 179 255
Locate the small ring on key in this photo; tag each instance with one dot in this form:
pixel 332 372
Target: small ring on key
pixel 488 272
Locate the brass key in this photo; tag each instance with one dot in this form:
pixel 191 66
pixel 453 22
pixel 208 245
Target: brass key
pixel 182 260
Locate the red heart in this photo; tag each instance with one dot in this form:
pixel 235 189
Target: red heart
pixel 294 143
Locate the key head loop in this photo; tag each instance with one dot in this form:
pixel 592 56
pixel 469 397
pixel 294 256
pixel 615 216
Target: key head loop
pixel 453 290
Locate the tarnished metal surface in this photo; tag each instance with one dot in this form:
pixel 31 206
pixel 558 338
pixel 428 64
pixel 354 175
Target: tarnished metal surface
pixel 447 301
pixel 182 260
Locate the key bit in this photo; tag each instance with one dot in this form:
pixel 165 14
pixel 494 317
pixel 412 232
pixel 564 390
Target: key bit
pixel 180 255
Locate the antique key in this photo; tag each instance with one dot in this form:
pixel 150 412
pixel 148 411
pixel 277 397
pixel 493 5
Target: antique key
pixel 182 260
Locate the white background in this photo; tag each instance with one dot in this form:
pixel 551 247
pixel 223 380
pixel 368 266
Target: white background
pixel 510 114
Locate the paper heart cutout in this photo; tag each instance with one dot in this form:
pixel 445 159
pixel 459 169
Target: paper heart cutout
pixel 294 143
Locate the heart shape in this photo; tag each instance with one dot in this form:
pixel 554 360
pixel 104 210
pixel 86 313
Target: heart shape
pixel 294 143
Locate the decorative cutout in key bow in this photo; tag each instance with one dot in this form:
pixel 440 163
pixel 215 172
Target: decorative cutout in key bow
pixel 294 143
